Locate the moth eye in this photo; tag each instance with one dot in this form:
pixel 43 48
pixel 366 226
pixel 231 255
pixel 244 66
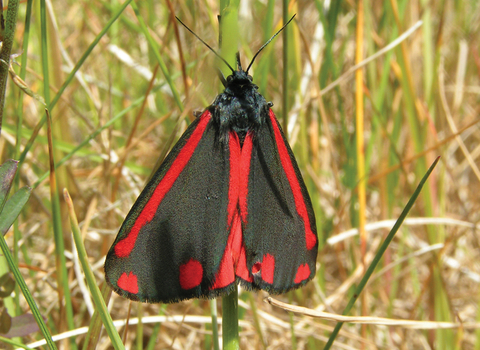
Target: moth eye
pixel 229 78
pixel 250 78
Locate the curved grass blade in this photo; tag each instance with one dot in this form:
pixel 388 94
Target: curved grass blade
pixel 96 294
pixel 380 252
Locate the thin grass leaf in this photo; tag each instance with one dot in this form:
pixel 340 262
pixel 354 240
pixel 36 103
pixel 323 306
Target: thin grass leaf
pixel 26 292
pixel 96 295
pixel 6 50
pixel 70 78
pixel 381 250
pixel 14 343
pixel 156 51
pixel 213 312
pixel 62 275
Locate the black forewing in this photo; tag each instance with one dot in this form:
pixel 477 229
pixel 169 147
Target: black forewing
pixel 190 223
pixel 273 225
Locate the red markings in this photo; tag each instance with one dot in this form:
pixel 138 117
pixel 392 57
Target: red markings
pixel 226 272
pixel 234 261
pixel 128 282
pixel 234 180
pixel 124 247
pixel 191 274
pixel 303 273
pixel 244 173
pixel 287 165
pixel 242 270
pixel 266 268
pixel 256 267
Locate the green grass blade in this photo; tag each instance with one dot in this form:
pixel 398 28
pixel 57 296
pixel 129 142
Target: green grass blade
pixel 230 336
pixel 156 52
pixel 95 326
pixel 8 36
pixel 26 292
pixel 156 329
pixel 71 76
pixel 380 252
pixel 213 312
pixel 13 343
pixel 96 295
pixel 62 275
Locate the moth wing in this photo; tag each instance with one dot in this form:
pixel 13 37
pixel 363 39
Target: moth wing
pixel 166 248
pixel 279 230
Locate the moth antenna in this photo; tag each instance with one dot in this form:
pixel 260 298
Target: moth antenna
pixel 239 64
pixel 219 18
pixel 204 43
pixel 268 42
pixel 222 77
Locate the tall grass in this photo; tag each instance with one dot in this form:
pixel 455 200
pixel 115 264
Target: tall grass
pixel 120 92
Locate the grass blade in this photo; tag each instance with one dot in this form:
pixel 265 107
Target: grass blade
pixel 380 252
pixel 96 295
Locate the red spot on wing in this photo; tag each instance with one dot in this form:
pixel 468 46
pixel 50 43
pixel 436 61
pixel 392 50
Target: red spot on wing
pixel 124 247
pixel 303 273
pixel 191 274
pixel 266 268
pixel 128 282
pixel 310 237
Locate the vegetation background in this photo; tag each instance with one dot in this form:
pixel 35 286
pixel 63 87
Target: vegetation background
pixel 362 146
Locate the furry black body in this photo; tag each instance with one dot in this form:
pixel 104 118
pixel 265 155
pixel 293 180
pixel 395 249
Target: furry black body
pixel 240 107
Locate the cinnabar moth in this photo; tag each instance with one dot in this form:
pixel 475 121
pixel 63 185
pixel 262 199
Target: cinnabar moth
pixel 227 205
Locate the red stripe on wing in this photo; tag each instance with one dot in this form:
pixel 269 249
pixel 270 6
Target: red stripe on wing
pixel 310 237
pixel 124 247
pixel 226 272
pixel 241 269
pixel 244 174
pixel 234 260
pixel 234 176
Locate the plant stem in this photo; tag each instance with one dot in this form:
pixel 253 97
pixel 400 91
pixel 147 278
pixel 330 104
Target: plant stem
pixel 230 321
pixel 229 47
pixel 9 34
